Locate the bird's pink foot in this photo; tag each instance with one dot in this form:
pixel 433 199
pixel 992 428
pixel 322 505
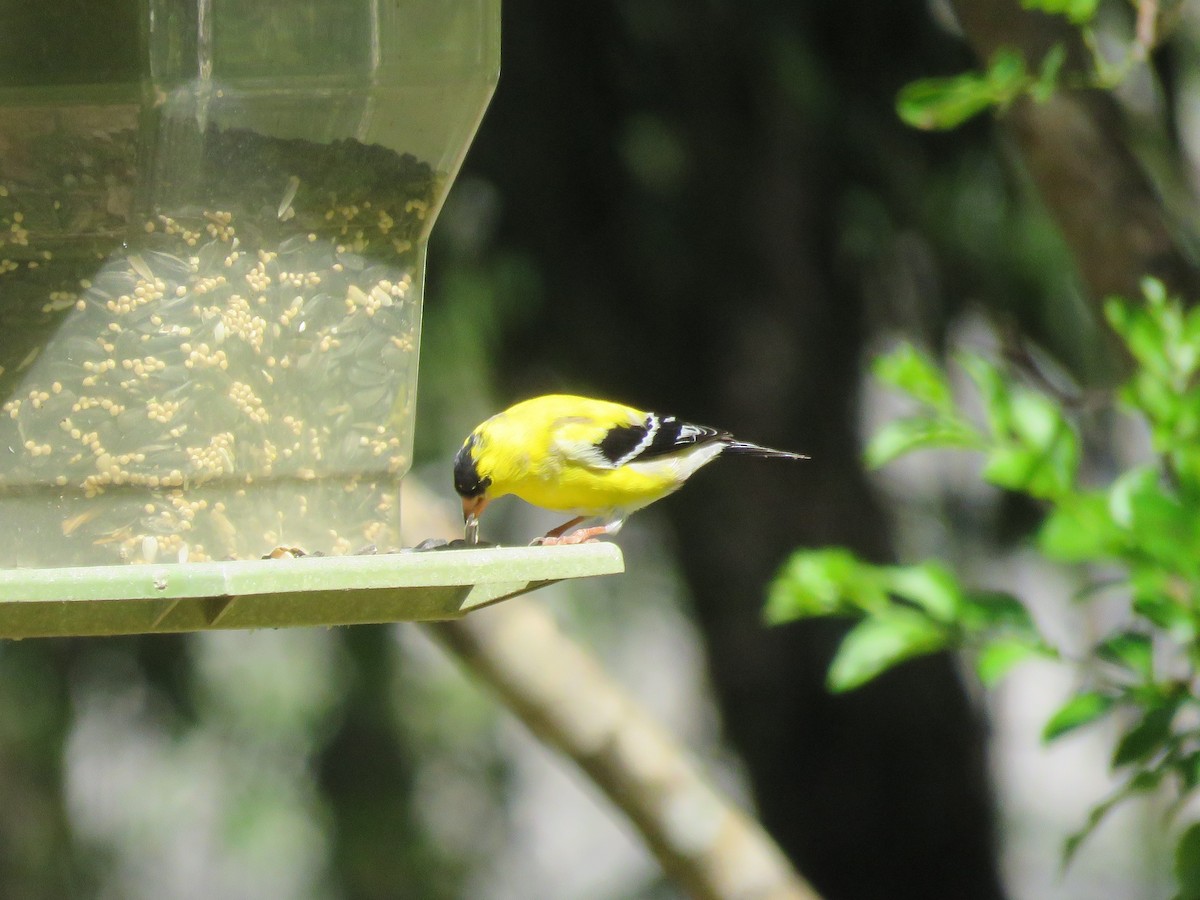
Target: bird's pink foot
pixel 582 536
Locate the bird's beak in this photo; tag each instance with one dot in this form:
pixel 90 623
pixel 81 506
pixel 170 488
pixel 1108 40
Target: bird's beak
pixel 473 506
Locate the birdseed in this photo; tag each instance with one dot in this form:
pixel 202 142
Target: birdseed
pixel 212 379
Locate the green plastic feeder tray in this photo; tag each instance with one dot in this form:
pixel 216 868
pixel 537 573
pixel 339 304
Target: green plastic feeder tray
pixel 345 590
pixel 213 231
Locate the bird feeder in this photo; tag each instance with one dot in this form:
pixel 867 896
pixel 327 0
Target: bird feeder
pixel 213 223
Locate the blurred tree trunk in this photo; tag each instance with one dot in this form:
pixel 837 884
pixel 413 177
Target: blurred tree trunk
pixel 39 855
pixel 677 175
pixel 381 851
pixel 1077 153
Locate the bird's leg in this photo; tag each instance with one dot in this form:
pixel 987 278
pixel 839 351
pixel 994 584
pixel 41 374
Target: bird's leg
pixel 554 535
pixel 580 536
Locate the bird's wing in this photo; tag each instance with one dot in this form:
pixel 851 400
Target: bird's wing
pixel 607 444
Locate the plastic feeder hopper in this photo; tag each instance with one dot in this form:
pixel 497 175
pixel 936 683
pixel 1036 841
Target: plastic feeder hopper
pixel 213 224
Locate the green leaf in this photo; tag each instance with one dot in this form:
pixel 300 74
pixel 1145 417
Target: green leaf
pixel 1157 526
pixel 1046 83
pixel 909 370
pixel 901 436
pixel 880 642
pixel 1151 394
pixel 1145 780
pixel 821 583
pixel 1191 328
pixel 1072 844
pixel 1080 710
pixel 1079 529
pixel 994 391
pixel 1037 421
pixel 1010 466
pixel 1147 737
pixel 1188 769
pixel 991 610
pixel 1118 311
pixel 1187 863
pixel 1134 484
pixel 1080 12
pixel 1139 330
pixel 933 104
pixel 930 586
pixel 1154 291
pixel 940 103
pixel 1018 468
pixel 999 657
pixel 1006 75
pixel 1154 600
pixel 1041 428
pixel 1185 463
pixel 1130 650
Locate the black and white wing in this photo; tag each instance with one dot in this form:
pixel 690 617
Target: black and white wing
pixel 655 437
pixel 652 440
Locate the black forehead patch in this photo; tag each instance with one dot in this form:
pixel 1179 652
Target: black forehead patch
pixel 467 481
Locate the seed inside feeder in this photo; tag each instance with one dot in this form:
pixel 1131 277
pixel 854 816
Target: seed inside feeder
pixel 213 378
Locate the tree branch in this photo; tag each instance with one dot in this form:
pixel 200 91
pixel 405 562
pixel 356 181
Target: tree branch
pixel 562 695
pixel 708 846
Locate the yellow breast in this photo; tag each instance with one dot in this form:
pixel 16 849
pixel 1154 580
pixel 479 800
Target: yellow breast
pixel 585 491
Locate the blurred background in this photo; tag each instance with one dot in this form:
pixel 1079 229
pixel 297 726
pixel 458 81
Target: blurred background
pixel 710 210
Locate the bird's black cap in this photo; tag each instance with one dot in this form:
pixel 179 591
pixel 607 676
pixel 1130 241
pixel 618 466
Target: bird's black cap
pixel 467 480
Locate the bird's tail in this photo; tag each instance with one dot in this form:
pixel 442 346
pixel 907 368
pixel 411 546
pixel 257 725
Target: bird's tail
pixel 747 449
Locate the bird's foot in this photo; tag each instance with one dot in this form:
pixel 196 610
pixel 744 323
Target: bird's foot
pixel 581 536
pixel 285 553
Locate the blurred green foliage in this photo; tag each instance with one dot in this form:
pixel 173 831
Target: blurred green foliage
pixel 1135 537
pixel 947 102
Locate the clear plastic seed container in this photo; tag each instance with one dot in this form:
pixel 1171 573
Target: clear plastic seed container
pixel 213 221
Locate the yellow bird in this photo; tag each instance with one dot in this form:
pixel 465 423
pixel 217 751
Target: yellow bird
pixel 589 458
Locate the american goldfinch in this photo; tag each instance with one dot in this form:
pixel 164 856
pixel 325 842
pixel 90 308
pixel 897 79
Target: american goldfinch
pixel 590 458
